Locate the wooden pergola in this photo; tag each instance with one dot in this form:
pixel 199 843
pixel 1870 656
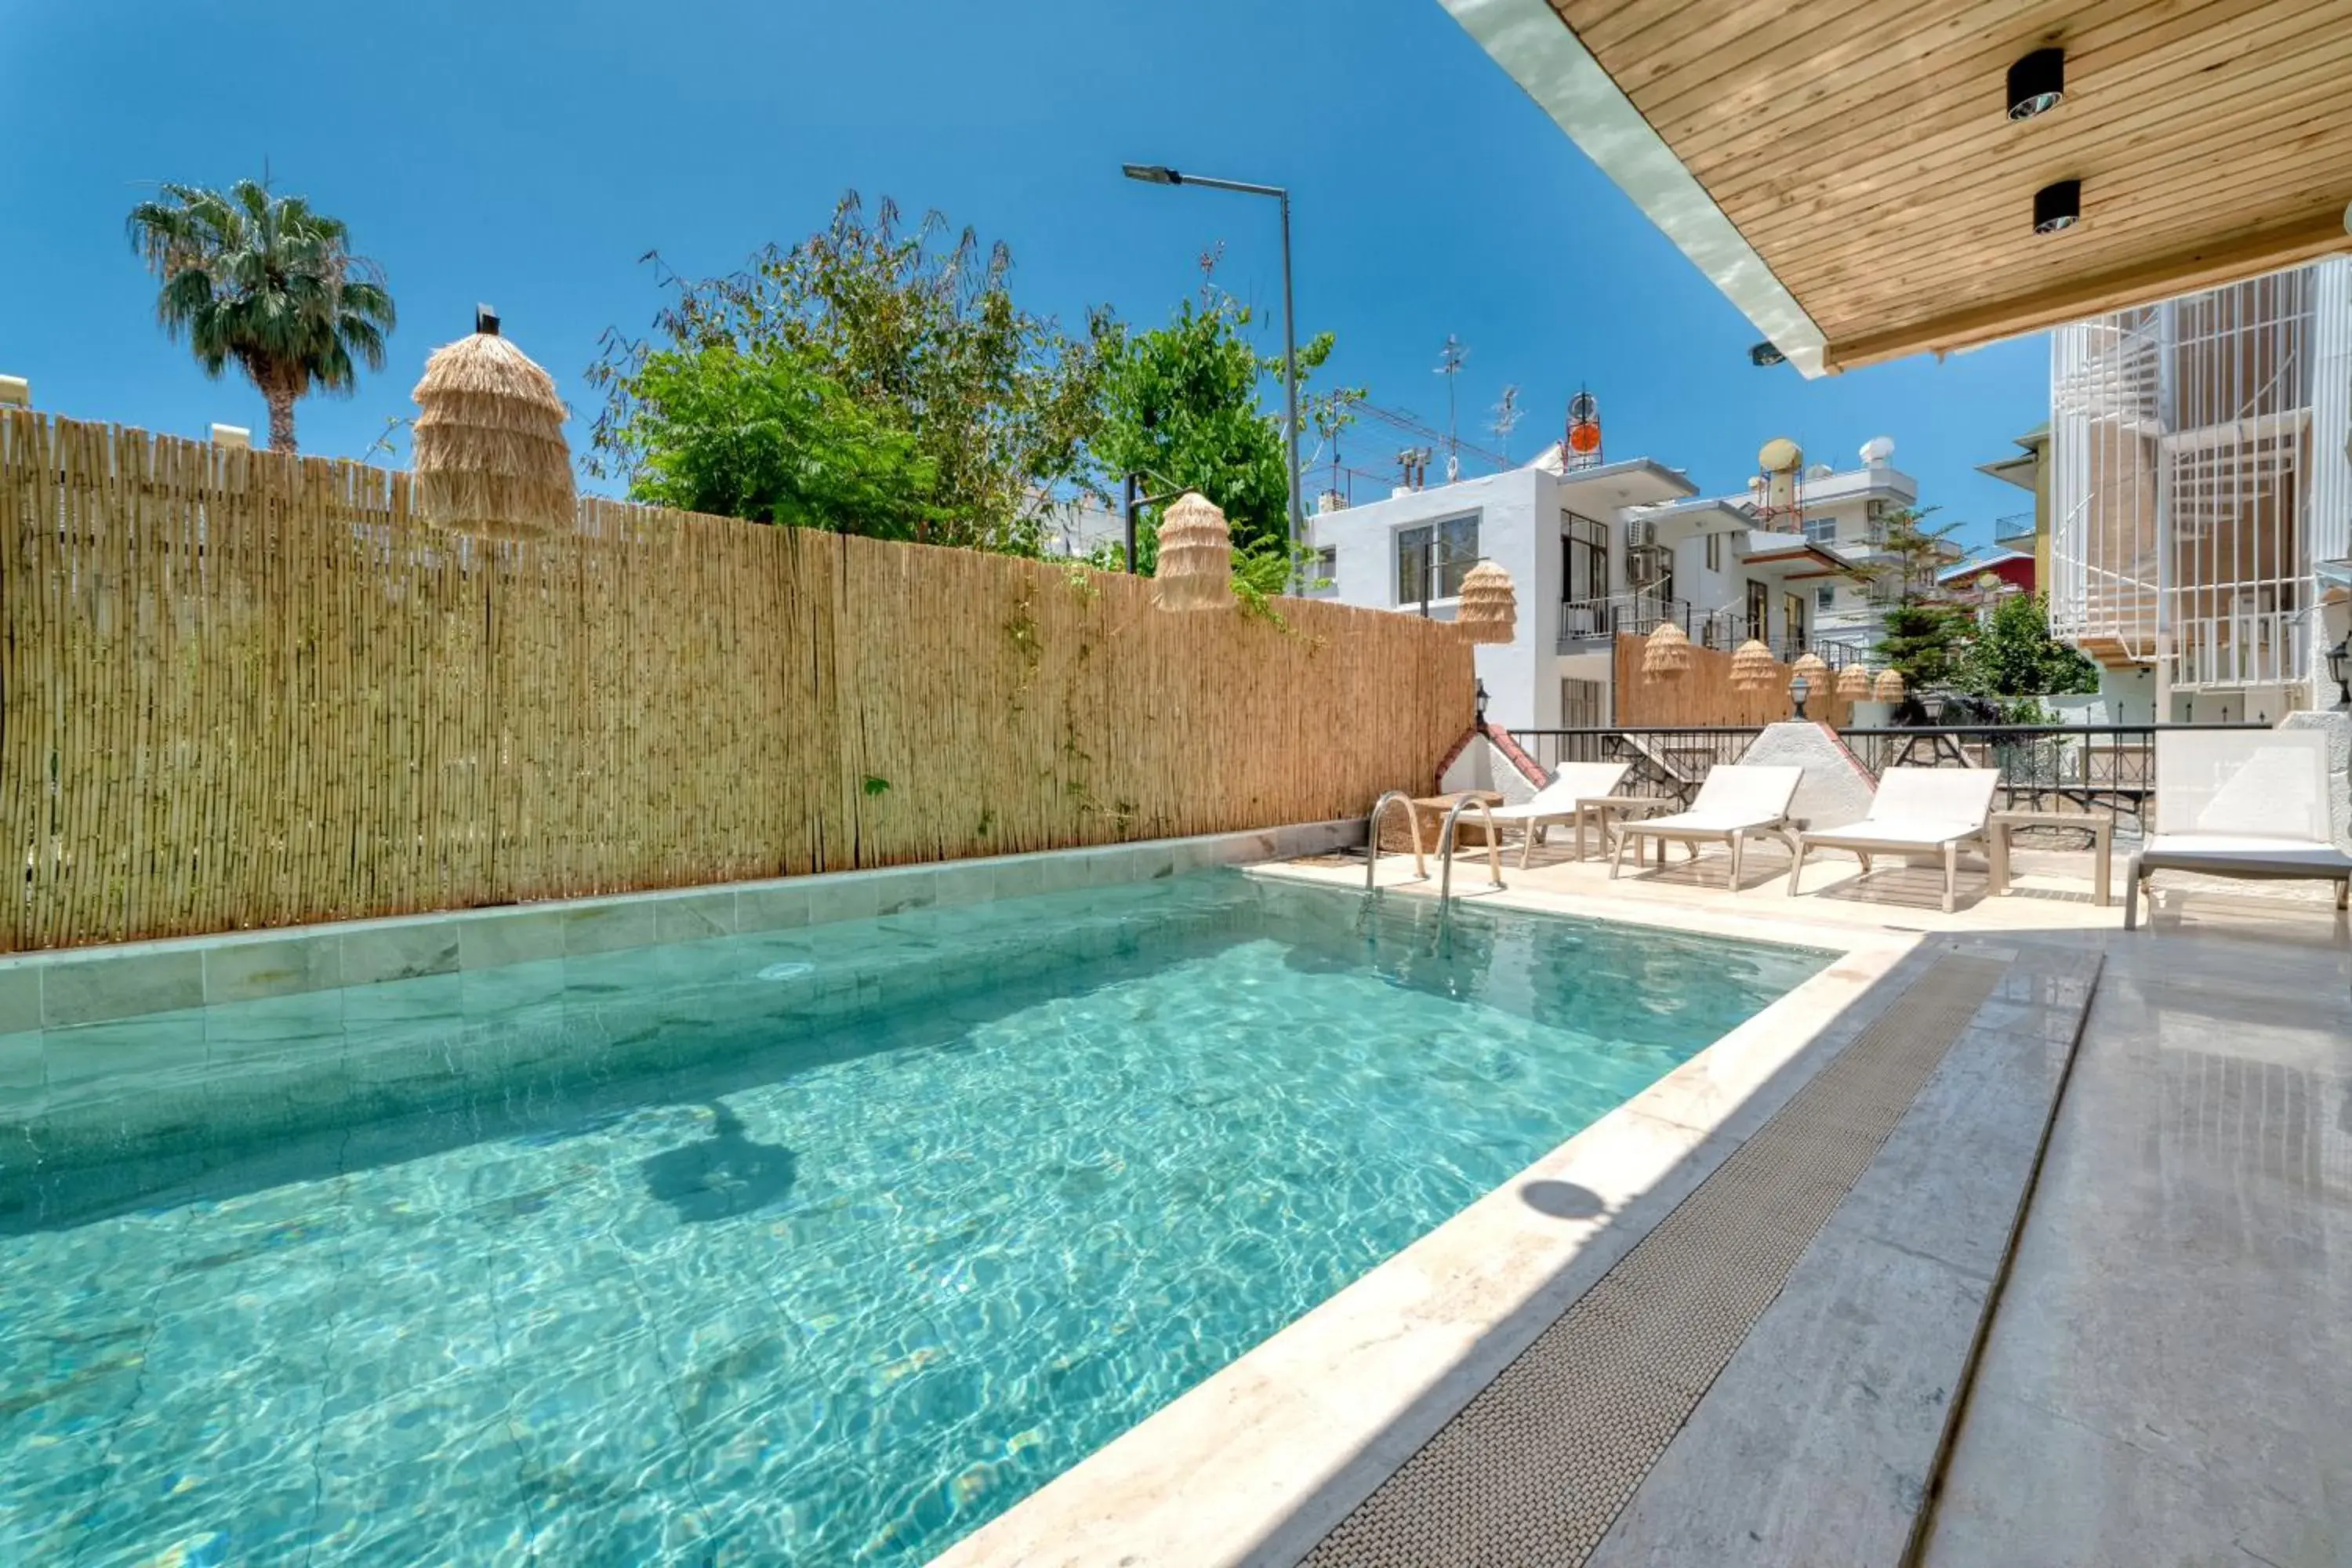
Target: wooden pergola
pixel 1849 174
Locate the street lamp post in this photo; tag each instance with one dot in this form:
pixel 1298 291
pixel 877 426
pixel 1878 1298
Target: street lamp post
pixel 1161 175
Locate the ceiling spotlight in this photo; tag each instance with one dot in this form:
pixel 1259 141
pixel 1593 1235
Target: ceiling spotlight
pixel 2037 84
pixel 2057 207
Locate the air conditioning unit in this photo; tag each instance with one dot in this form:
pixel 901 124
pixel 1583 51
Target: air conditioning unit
pixel 1640 533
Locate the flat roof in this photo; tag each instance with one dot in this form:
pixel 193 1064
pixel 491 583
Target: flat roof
pixel 1630 481
pixel 1847 174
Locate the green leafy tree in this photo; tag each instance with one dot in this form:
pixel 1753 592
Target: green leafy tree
pixel 1186 405
pixel 1924 629
pixel 768 436
pixel 986 407
pixel 2011 658
pixel 265 283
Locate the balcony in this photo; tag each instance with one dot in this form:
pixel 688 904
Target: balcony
pixel 1587 623
pixel 2015 532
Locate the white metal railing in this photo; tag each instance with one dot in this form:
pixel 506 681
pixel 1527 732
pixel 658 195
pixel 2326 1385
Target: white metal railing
pixel 1584 620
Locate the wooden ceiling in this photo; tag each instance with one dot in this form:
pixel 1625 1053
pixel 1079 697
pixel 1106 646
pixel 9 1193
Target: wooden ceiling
pixel 1861 149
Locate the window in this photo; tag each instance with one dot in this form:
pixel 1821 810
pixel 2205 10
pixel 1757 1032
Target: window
pixel 1433 560
pixel 1584 548
pixel 1715 552
pixel 1795 610
pixel 1757 601
pixel 1824 598
pixel 1822 529
pixel 1326 579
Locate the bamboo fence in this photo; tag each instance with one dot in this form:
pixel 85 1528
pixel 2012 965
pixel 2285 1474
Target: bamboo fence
pixel 242 689
pixel 1704 695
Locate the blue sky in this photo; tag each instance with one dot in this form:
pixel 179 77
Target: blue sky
pixel 527 153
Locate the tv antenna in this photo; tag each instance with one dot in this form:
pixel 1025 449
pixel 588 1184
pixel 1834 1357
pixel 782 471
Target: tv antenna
pixel 1449 365
pixel 1508 415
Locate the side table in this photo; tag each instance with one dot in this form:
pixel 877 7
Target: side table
pixel 2102 830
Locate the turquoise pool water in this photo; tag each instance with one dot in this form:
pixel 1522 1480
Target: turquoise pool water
pixel 818 1246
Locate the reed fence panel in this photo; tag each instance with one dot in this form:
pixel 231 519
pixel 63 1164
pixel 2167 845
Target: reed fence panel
pixel 242 689
pixel 1704 696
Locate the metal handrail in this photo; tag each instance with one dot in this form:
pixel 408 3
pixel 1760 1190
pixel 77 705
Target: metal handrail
pixel 1445 847
pixel 1372 836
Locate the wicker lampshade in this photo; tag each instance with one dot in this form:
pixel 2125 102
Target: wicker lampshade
pixel 1853 683
pixel 1668 656
pixel 1490 606
pixel 491 454
pixel 1752 665
pixel 1813 671
pixel 1888 687
pixel 1196 556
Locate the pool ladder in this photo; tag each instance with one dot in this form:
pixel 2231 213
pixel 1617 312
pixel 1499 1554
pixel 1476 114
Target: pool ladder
pixel 1372 836
pixel 1444 843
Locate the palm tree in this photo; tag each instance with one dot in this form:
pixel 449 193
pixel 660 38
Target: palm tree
pixel 266 282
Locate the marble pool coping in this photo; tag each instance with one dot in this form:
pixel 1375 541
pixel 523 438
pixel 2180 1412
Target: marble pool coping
pixel 56 988
pixel 1257 1463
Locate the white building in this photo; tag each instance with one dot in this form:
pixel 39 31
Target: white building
pixel 1594 552
pixel 2201 512
pixel 1847 511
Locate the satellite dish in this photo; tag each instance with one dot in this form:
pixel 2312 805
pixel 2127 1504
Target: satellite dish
pixel 1877 449
pixel 1780 456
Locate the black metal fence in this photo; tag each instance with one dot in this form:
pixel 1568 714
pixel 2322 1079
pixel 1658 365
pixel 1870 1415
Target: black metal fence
pixel 2097 770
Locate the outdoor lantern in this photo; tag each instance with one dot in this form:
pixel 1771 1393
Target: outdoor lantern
pixel 1482 704
pixel 491 454
pixel 1667 654
pixel 2340 666
pixel 1196 556
pixel 1752 665
pixel 1853 683
pixel 1490 611
pixel 1888 687
pixel 1799 689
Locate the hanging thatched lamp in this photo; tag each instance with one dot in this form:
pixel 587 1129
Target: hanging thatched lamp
pixel 1667 655
pixel 1853 683
pixel 1196 556
pixel 491 454
pixel 1752 667
pixel 1490 606
pixel 1812 669
pixel 1888 687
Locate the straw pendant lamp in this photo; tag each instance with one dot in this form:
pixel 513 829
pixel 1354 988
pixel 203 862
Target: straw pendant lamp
pixel 1667 654
pixel 1815 671
pixel 1490 611
pixel 1196 556
pixel 1752 667
pixel 1888 687
pixel 1853 683
pixel 491 454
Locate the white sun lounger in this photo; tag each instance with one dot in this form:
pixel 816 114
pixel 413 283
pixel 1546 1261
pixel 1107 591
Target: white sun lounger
pixel 1556 802
pixel 1736 802
pixel 1916 811
pixel 2240 805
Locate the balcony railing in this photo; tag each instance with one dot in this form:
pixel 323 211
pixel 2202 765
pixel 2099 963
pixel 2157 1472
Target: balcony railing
pixel 1584 621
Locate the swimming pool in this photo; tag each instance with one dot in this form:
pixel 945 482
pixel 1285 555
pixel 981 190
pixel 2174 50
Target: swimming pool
pixel 821 1246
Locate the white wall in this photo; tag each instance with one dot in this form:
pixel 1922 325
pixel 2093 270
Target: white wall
pixel 1517 530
